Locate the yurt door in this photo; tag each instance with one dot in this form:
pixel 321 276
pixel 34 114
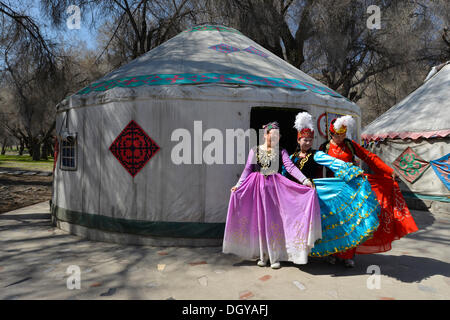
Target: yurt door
pixel 260 116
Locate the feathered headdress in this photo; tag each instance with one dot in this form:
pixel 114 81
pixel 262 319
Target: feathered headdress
pixel 304 125
pixel 341 124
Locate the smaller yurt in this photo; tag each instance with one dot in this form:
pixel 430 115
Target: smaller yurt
pixel 414 138
pixel 149 152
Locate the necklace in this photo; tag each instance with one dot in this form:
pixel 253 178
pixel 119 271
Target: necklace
pixel 265 159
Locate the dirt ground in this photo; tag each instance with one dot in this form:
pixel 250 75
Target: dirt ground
pixel 17 191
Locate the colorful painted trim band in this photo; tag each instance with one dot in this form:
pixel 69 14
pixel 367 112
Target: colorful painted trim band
pixel 405 135
pixel 189 78
pixel 192 230
pixel 213 28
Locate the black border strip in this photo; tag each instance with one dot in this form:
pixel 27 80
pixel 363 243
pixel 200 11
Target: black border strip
pixel 193 230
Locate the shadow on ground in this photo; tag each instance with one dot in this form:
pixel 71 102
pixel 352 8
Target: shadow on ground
pixel 404 268
pixel 33 261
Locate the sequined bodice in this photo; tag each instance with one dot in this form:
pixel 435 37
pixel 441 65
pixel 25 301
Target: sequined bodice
pixel 268 162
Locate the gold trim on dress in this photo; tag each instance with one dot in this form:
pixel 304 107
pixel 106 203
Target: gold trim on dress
pixel 304 160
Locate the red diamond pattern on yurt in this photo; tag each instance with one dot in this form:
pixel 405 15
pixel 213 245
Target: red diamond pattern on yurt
pixel 133 148
pixel 410 165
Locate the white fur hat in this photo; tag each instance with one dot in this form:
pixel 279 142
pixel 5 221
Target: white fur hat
pixel 303 120
pixel 304 125
pixel 345 121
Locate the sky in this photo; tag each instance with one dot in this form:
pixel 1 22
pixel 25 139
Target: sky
pixel 85 33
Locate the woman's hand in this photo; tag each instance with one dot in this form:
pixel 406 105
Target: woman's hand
pixel 308 183
pixel 394 175
pixel 233 189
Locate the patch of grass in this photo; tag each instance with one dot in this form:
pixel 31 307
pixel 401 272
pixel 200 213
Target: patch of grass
pixel 24 158
pixel 25 162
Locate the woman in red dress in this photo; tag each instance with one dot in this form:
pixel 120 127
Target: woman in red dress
pixel 395 219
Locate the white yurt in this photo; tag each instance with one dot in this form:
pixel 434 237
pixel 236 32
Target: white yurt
pixel 149 152
pixel 416 133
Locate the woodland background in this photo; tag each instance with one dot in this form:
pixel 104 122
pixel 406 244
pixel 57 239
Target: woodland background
pixel 328 39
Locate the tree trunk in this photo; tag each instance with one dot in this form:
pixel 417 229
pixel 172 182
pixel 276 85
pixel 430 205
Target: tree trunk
pixel 47 148
pixel 44 153
pixel 21 147
pixel 35 149
pixel 5 142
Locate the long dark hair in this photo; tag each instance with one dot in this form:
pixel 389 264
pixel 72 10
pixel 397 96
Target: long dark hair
pixel 270 126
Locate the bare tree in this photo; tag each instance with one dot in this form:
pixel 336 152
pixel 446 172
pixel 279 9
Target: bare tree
pixel 134 26
pixel 28 59
pixel 30 106
pixel 330 40
pixel 37 74
pixel 281 26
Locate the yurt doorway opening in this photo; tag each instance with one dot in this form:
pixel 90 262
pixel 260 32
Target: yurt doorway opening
pixel 259 116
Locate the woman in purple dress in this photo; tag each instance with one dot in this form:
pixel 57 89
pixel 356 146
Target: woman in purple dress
pixel 270 216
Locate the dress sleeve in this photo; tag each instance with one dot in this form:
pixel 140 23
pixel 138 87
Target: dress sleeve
pixel 373 161
pixel 291 168
pixel 248 167
pixel 283 168
pixel 344 170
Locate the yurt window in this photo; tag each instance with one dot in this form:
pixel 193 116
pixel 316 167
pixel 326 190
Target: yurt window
pixel 69 153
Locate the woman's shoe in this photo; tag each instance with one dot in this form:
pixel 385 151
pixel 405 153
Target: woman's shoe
pixel 275 265
pixel 349 263
pixel 261 263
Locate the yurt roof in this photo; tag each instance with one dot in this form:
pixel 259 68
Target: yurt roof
pixel 212 55
pixel 423 113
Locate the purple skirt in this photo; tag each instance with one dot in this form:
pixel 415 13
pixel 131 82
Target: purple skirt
pixel 272 215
